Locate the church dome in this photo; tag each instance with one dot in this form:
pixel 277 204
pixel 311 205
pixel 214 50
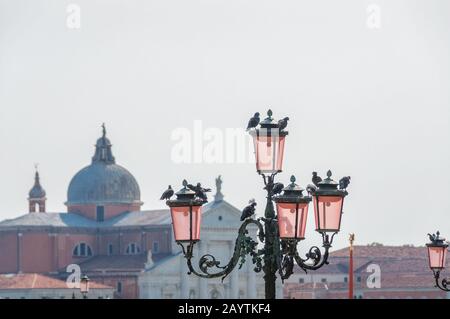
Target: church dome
pixel 103 182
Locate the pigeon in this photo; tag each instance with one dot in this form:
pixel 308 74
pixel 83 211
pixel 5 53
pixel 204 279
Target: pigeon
pixel 311 189
pixel 316 179
pixel 253 122
pixel 283 123
pixel 199 191
pixel 277 188
pixel 248 211
pixel 436 237
pixel 343 182
pixel 432 237
pixel 167 193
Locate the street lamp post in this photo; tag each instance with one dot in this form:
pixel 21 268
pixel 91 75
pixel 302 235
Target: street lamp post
pixel 279 232
pixel 437 253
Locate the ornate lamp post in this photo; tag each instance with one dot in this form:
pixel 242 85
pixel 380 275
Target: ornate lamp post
pixel 280 233
pixel 84 286
pixel 437 253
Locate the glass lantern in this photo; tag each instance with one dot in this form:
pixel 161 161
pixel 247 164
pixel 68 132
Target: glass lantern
pixel 186 213
pixel 437 252
pixel 84 285
pixel 328 202
pixel 292 211
pixel 269 143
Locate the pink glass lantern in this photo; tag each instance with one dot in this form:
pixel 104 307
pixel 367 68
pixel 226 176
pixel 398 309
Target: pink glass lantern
pixel 84 285
pixel 328 202
pixel 292 211
pixel 437 252
pixel 186 213
pixel 269 143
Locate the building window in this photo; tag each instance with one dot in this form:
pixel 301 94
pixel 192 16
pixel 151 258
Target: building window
pixel 100 213
pixel 358 279
pixel 301 280
pixel 132 249
pixel 155 247
pixel 324 280
pixel 110 249
pixel 82 250
pixel 119 287
pixel 345 279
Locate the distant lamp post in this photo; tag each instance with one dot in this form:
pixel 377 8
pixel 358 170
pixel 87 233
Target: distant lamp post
pixel 84 286
pixel 279 232
pixel 437 253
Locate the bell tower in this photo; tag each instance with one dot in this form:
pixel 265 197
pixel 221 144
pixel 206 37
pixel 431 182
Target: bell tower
pixel 36 196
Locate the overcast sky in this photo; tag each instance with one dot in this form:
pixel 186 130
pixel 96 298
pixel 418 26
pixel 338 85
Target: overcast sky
pixel 366 97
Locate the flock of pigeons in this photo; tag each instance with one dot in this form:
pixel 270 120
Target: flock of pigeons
pixel 250 209
pixel 199 191
pixel 254 121
pixel 277 188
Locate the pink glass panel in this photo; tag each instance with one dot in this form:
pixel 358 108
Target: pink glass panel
pixel 269 152
pixel 436 257
pixel 287 220
pixel 84 286
pixel 327 212
pixel 181 222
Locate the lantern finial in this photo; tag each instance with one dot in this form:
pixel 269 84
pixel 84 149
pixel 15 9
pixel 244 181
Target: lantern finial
pixel 329 174
pixel 185 183
pixel 293 179
pixel 269 113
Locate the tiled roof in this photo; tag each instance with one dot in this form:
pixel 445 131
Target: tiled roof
pixel 391 259
pixel 150 217
pixel 382 251
pixel 38 281
pixel 127 219
pixel 138 218
pixel 120 262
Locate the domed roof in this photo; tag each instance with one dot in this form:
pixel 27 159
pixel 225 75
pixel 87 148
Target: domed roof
pixel 37 192
pixel 103 182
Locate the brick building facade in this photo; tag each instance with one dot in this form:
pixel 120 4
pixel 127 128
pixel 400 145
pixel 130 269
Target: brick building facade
pixel 402 273
pixel 103 225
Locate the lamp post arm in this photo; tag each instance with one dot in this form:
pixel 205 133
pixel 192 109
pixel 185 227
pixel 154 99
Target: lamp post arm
pixel 314 260
pixel 245 245
pixel 315 255
pixel 444 284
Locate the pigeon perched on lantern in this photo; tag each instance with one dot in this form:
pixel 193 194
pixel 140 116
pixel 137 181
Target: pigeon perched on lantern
pixel 168 193
pixel 253 122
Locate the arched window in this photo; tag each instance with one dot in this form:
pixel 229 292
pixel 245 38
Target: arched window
pixel 82 250
pixel 132 249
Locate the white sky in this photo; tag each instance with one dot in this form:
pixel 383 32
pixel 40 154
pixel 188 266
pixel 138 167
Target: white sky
pixel 370 103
